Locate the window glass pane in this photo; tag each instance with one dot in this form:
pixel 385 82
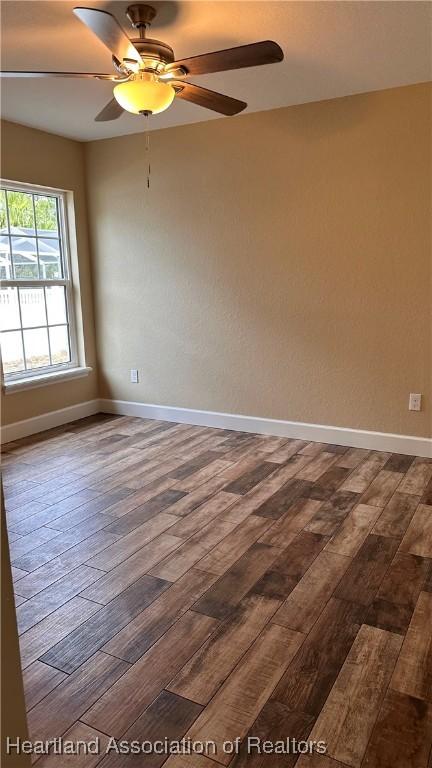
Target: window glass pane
pixel 32 249
pixel 12 352
pixel 28 272
pixel 5 259
pixel 9 310
pixel 21 217
pixel 36 348
pixel 32 302
pixel 24 254
pixel 49 258
pixel 3 216
pixel 59 341
pixel 46 215
pixel 56 305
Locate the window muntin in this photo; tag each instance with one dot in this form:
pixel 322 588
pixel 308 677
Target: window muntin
pixel 36 309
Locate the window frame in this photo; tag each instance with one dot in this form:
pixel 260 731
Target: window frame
pixel 47 371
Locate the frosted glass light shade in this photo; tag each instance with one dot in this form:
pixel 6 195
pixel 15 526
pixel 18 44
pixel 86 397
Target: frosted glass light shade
pixel 144 93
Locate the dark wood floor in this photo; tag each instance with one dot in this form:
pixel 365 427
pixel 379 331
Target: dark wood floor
pixel 184 581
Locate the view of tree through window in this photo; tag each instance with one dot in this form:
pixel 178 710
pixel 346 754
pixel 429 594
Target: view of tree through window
pixel 34 297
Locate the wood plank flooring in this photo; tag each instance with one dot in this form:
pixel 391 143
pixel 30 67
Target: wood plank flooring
pixel 179 582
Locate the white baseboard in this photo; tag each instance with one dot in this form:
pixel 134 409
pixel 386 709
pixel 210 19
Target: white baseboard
pixel 49 420
pixel 354 438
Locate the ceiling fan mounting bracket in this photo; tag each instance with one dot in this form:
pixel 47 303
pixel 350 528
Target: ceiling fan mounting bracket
pixel 121 68
pixel 140 15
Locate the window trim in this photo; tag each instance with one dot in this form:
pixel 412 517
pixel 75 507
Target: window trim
pixel 54 377
pixel 35 376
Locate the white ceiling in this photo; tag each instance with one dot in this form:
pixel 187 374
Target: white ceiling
pixel 331 49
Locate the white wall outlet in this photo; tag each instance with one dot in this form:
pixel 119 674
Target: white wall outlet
pixel 415 402
pixel 134 376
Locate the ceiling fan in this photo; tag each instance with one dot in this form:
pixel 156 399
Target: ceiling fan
pixel 148 77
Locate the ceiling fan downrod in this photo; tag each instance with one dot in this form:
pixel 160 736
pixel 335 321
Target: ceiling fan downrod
pixel 141 16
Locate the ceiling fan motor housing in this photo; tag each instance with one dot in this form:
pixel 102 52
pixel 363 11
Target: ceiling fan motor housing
pixel 154 49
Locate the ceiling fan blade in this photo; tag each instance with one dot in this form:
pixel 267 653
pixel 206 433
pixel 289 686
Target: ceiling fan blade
pixel 111 111
pixel 97 75
pixel 225 105
pixel 253 55
pixel 109 32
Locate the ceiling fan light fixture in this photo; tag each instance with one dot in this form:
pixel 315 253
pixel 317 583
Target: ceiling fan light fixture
pixel 148 72
pixel 144 93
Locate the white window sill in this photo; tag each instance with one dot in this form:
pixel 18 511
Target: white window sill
pixel 18 385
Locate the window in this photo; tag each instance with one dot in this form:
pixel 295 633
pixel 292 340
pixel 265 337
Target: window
pixel 36 308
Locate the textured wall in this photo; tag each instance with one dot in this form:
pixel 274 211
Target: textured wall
pixel 42 158
pixel 13 714
pixel 278 267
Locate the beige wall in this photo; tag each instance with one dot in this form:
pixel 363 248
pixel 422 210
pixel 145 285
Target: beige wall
pixel 36 157
pixel 278 267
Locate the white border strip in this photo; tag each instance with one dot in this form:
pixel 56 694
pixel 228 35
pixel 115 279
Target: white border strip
pixel 355 438
pixel 27 427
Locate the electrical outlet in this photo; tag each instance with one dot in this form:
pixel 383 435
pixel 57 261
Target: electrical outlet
pixel 134 376
pixel 415 402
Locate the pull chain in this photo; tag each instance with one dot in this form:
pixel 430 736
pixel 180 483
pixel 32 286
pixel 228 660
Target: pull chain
pixel 147 147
